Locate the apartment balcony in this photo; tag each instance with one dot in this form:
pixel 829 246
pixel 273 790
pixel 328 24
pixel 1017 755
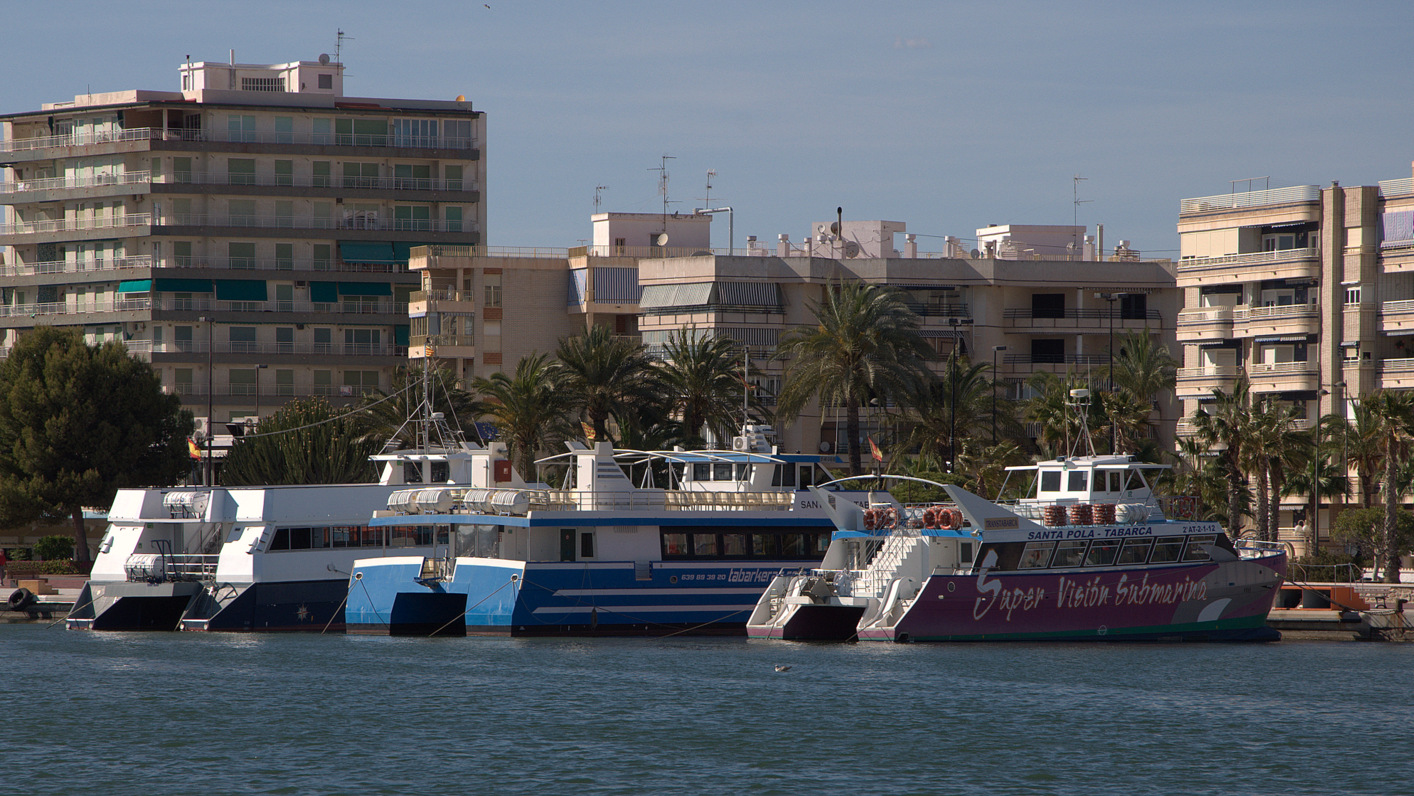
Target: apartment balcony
pixel 168 302
pixel 147 138
pixel 1253 267
pixel 55 189
pixel 194 350
pixel 270 396
pixel 424 301
pixel 1397 317
pixel 75 229
pixel 1397 374
pixel 1283 376
pixel 28 314
pixel 370 221
pixel 115 266
pixel 1290 319
pixel 1200 382
pixel 444 346
pixel 1023 319
pixel 1205 324
pixel 1397 257
pixel 1057 364
pixel 59 188
pixel 1248 200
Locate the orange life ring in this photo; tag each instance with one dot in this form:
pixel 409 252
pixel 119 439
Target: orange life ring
pixel 891 516
pixel 871 519
pixel 952 519
pixel 930 517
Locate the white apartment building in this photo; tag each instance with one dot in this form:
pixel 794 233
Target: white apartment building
pixel 249 233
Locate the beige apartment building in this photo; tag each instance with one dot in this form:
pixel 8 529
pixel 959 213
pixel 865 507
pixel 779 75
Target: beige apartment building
pixel 1307 290
pixel 482 310
pixel 249 234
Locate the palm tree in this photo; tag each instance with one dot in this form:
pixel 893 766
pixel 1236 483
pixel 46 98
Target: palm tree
pixel 930 412
pixel 606 377
pixel 1126 418
pixel 1394 412
pixel 530 408
pixel 1275 448
pixel 1226 425
pixel 307 441
pixel 704 384
pixel 1051 410
pixel 865 344
pixel 1144 367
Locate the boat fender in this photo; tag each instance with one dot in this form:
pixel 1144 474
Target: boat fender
pixel 20 599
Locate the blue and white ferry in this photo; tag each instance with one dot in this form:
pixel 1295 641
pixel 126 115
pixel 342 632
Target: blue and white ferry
pixel 602 556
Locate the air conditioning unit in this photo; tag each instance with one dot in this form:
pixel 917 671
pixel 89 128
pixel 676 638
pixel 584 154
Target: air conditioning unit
pixel 740 443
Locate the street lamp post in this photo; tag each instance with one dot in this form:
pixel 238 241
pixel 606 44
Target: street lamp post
pixel 258 368
pixel 1315 540
pixel 995 349
pixel 210 390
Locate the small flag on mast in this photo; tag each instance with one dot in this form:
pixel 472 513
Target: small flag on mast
pixel 874 450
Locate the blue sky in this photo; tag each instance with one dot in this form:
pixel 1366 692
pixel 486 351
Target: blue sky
pixel 947 116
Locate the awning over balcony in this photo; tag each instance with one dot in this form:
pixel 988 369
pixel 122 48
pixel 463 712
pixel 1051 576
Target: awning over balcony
pixel 368 252
pixel 1284 338
pixel 365 289
pixel 240 290
pixel 181 285
pixel 135 286
pixel 690 295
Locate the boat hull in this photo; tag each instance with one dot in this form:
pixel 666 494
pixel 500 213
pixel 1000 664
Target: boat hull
pixel 1225 601
pixel 292 606
pixel 830 622
pixel 517 598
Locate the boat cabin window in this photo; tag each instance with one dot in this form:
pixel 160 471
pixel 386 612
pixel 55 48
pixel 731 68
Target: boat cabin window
pixel 722 471
pixel 412 472
pixel 1135 551
pixel 1102 553
pixel 1166 549
pixel 586 544
pixel 1198 548
pixel 743 472
pixel 701 471
pixel 1069 554
pixel 1050 481
pixel 343 536
pixel 566 544
pixel 1077 481
pixel 1116 481
pixel 964 552
pixel 807 475
pixel 1036 555
pixel 784 475
pixel 709 543
pixel 441 472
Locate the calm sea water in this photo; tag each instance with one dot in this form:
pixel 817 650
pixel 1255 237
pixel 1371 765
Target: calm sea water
pixel 194 713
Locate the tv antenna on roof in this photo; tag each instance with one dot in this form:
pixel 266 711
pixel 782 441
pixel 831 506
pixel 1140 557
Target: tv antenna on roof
pixel 597 189
pixel 1077 201
pixel 707 200
pixel 339 45
pixel 662 170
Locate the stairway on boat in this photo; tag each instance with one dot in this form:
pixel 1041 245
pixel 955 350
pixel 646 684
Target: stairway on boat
pixel 897 555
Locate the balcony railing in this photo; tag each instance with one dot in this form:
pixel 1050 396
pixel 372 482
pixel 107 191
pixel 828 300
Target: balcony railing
pixel 1206 315
pixel 1397 307
pixel 379 140
pixel 1073 313
pixel 1275 368
pixel 170 302
pixel 1244 260
pixel 1209 372
pixel 442 339
pixel 77 224
pixel 63 183
pixel 1231 201
pixel 1059 359
pixel 75 266
pixel 1276 311
pixel 441 295
pixel 338 182
pixel 370 221
pixel 267 349
pixel 62 308
pixel 1402 187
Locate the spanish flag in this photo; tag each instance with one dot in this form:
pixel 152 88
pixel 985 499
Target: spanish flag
pixel 874 451
pixel 587 429
pixel 192 449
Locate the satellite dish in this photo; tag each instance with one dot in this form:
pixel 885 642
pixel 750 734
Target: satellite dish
pixel 976 254
pixel 461 98
pixel 834 228
pixel 324 59
pixel 661 239
pixel 824 446
pixel 851 249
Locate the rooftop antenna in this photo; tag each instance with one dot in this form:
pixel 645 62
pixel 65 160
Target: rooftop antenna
pixel 597 190
pixel 1077 201
pixel 707 200
pixel 339 45
pixel 662 170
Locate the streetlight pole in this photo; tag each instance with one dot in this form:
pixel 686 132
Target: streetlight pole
pixel 210 389
pixel 954 322
pixel 995 349
pixel 258 368
pixel 1315 540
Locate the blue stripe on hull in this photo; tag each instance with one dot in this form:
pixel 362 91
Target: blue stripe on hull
pixel 586 598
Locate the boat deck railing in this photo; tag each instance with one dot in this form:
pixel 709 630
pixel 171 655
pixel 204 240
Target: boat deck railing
pixel 670 500
pixel 168 567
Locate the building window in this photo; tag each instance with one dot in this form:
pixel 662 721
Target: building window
pixel 182 381
pixel 323 382
pixel 284 382
pixel 323 340
pixel 284 258
pixel 241 255
pixel 453 177
pixel 1352 295
pixel 320 171
pixel 284 335
pixel 362 341
pixel 322 255
pixel 240 171
pixel 241 212
pixel 284 172
pixel 454 218
pixel 243 340
pixel 412 218
pixel 242 381
pixel 262 84
pixel 456 134
pixel 493 290
pixel 326 81
pixel 360 175
pixel 240 128
pixel 181 169
pixel 284 129
pixel 358 382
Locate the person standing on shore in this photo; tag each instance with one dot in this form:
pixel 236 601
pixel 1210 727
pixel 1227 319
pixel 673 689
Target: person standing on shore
pixel 3 562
